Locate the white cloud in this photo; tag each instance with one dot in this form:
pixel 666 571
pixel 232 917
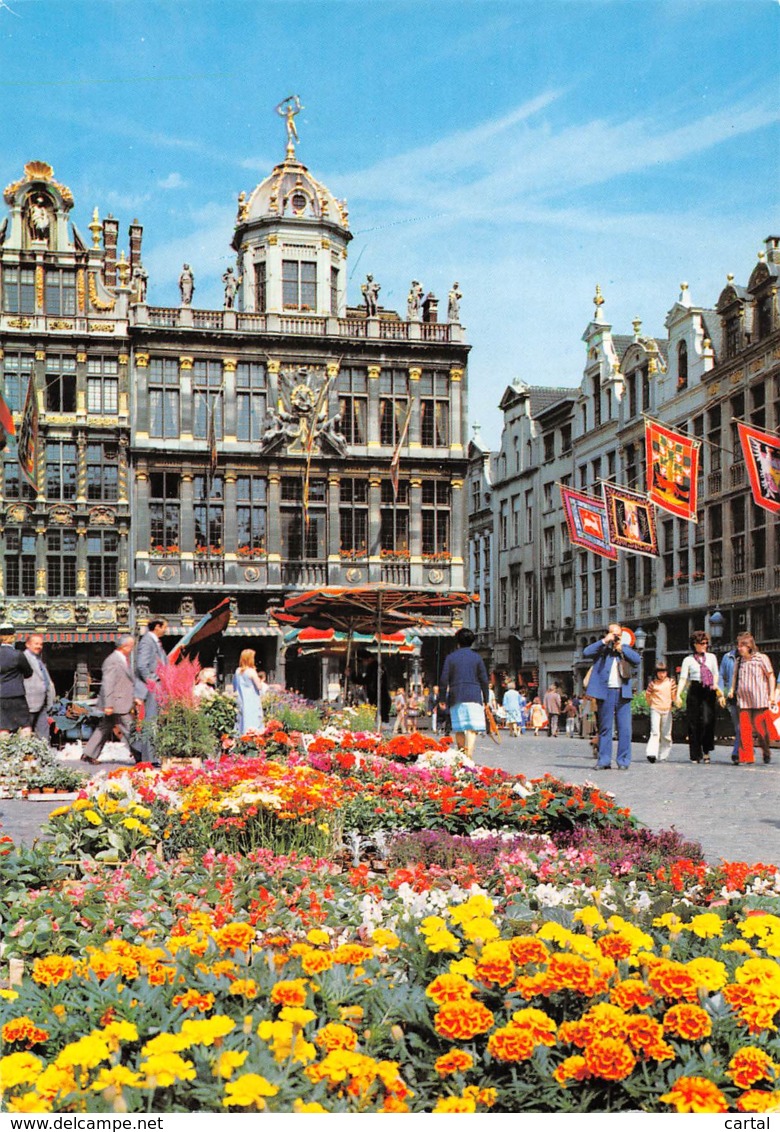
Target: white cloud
pixel 172 181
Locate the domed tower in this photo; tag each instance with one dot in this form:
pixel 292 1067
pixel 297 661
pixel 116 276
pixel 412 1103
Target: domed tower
pixel 291 237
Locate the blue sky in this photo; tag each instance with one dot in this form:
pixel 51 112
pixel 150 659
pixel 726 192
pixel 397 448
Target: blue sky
pixel 526 149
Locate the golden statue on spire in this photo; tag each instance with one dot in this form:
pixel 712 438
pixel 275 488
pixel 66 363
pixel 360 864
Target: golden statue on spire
pixel 287 109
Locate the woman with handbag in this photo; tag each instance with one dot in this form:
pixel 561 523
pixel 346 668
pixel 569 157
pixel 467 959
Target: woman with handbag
pixel 699 675
pixel 754 689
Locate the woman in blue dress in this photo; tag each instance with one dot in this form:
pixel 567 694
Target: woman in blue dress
pixel 248 690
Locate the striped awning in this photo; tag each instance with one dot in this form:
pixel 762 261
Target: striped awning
pixel 73 636
pixel 252 631
pixel 435 631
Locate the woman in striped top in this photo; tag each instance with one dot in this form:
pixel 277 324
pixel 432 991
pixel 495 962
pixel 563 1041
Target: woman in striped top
pixel 754 688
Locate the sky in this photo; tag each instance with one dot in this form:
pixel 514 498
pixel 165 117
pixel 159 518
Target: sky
pixel 528 149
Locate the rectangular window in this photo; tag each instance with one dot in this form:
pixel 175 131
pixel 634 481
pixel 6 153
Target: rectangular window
pixel 394 519
pixel 716 559
pixel 738 554
pixel 102 472
pixel 732 336
pixel 394 397
pixel 353 518
pixel 102 563
pixel 334 290
pixel 252 515
pixel 436 506
pixel 503 527
pixel 503 604
pixel 598 589
pixel 301 540
pixel 19 563
pixel 299 285
pixel 60 383
pixel 529 599
pixel 549 447
pixel 17 369
pixel 529 516
pixel 209 514
pixel 164 512
pixel 645 377
pixel 352 386
pixel 60 292
pixel 60 470
pixel 260 287
pixel 597 399
pixel 102 385
pixel 565 439
pixel 15 486
pixel 61 563
pixel 207 398
pixel 251 400
pixel 164 420
pixel 19 290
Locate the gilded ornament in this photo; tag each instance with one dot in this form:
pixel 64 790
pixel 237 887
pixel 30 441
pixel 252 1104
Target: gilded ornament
pixel 95 228
pixel 332 369
pixel 81 580
pixel 123 359
pixel 141 360
pixel 186 363
pixel 354 575
pixel 40 584
pixel 415 373
pixel 102 516
pixel 456 374
pixel 274 365
pixel 20 323
pixel 80 290
pixel 122 579
pixel 40 355
pixel 95 300
pixel 39 287
pixel 60 324
pixel 252 574
pixel 229 365
pixel 374 373
pixel 102 327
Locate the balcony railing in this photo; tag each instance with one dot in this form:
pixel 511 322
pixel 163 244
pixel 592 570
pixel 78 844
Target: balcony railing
pixel 737 475
pixel 209 571
pixel 308 324
pixel 757 581
pixel 738 586
pixel 716 590
pixel 163 316
pixel 396 573
pixel 304 574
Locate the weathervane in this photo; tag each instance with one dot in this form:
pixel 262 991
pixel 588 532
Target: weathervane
pixel 287 109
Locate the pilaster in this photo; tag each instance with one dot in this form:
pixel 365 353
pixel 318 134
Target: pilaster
pixel 374 373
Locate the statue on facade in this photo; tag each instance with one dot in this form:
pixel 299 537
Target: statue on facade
pixel 231 288
pixel 243 206
pixel 288 109
pixel 186 285
pixel 301 424
pixel 140 281
pixel 38 219
pixel 453 303
pixel 413 301
pixel 371 291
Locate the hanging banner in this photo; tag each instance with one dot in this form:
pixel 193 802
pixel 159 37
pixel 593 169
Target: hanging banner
pixel 630 520
pixel 586 519
pixel 672 468
pixel 7 427
pixel 762 456
pixel 395 463
pixel 27 438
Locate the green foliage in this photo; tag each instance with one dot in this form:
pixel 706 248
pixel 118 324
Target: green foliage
pixel 23 759
pixel 360 718
pixel 296 716
pixel 183 731
pixel 59 778
pixel 639 704
pixel 221 712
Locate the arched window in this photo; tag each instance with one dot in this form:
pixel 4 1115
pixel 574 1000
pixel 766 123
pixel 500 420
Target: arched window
pixel 682 366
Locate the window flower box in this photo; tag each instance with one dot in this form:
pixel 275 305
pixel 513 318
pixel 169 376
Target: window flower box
pixel 253 552
pixel 158 551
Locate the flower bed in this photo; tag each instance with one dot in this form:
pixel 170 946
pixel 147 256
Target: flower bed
pixel 480 943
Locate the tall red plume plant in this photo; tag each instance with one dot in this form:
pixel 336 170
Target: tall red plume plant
pixel 176 684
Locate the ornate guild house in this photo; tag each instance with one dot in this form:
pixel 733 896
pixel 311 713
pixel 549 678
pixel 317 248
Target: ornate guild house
pixel 284 442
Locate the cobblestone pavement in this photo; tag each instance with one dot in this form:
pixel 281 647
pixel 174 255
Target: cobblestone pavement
pixel 734 811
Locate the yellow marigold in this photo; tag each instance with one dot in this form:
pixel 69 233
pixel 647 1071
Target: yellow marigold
pixel 8 995
pixel 207 1031
pixel 571 1069
pixel 449 988
pixel 316 962
pixel 289 992
pixel 760 973
pixel 510 1043
pixel 250 1089
pixel 28 1102
pixel 462 1020
pixel 609 1058
pixel 478 906
pixel 695 1094
pixel 55 1082
pixel 245 987
pixel 590 917
pixel 286 1041
pixel 318 937
pixel 432 924
pixel 164 1069
pixel 92 817
pixel 466 967
pixel 455 1104
pixel 750 1064
pixel 234 937
pixel 166 1043
pixel 336 1036
pixel 756 1100
pixel 688 1021
pixel 486 1097
pixel 707 925
pixel 23 1029
pixel 638 939
pixel 351 1014
pixel 307 1106
pixel 708 973
pixel 135 824
pixel 117 1077
pixel 53 969
pixel 740 946
pixel 456 1061
pixel 442 941
pixel 87 1052
pixel 297 1015
pixel 668 920
pixel 480 928
pixel 117 1032
pixel 228 1061
pixel 19 1069
pixel 385 939
pixel 556 933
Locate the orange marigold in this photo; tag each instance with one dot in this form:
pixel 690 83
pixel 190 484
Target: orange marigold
pixel 316 962
pixel 193 999
pixel 571 1069
pixel 539 1025
pixel 572 972
pixel 616 946
pixel 526 949
pixel 459 1021
pixel 23 1029
pixel 53 969
pixel 631 992
pixel 688 1021
pixel 449 988
pixel 511 1043
pixel 750 1064
pixel 672 980
pixel 289 992
pixel 336 1036
pixel 609 1058
pixel 695 1094
pixel 456 1061
pixel 234 937
pixel 496 969
pixel 756 1100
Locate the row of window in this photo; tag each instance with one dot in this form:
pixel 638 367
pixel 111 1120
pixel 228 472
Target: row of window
pixel 61 559
pixel 61 485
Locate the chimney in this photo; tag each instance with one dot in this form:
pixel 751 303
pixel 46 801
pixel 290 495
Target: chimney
pixel 136 232
pixel 430 308
pixel 772 244
pixel 110 237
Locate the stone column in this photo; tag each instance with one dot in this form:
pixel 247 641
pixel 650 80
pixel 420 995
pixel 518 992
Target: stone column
pixel 457 530
pixel 81 562
pixel 230 424
pixel 231 513
pixel 123 470
pixel 81 467
pixel 415 520
pixel 374 522
pixel 141 360
pixel 41 587
pixel 272 370
pixel 81 386
pixel 334 525
pixel 123 403
pixel 187 518
pixel 185 397
pixel 274 533
pixel 413 437
pixel 456 411
pixel 373 406
pixel 123 565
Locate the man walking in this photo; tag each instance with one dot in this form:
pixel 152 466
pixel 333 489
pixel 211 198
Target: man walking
pixel 726 677
pixel 552 705
pixel 38 688
pixel 149 655
pixel 115 698
pixel 610 687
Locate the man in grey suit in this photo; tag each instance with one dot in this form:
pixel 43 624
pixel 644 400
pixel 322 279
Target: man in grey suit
pixel 116 699
pixel 148 656
pixel 38 688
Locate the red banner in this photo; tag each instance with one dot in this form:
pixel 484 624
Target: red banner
pixel 672 468
pixel 586 519
pixel 631 520
pixel 762 457
pixel 27 440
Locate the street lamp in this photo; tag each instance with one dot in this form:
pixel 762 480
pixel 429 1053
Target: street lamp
pixel 717 622
pixel 640 640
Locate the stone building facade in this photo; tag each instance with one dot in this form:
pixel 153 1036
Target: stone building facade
pixel 715 364
pixel 187 454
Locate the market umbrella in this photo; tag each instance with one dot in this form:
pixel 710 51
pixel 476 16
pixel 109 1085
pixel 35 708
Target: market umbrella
pixel 215 621
pixel 356 608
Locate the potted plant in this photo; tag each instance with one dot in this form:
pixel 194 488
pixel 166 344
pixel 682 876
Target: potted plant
pixel 640 718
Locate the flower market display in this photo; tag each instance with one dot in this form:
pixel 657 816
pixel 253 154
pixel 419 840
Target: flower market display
pixel 337 923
